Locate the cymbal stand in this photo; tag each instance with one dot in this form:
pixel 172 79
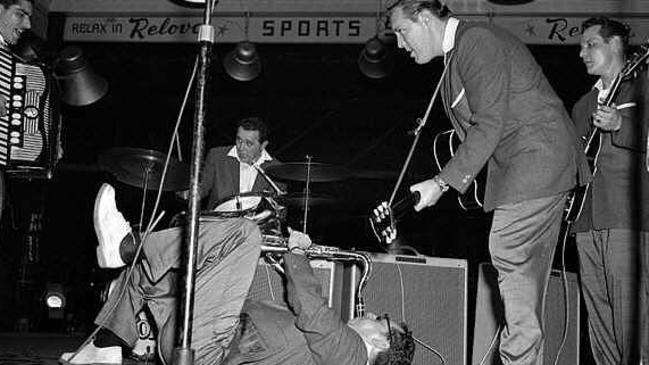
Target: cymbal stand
pixel 183 354
pixel 147 171
pixel 307 192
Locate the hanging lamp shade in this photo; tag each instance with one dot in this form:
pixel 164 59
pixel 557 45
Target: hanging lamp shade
pixel 190 3
pixel 375 60
pixel 243 63
pixel 80 85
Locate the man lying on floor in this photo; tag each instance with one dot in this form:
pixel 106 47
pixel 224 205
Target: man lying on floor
pixel 227 328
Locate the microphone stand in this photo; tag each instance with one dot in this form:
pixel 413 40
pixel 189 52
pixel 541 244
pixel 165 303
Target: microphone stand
pixel 183 354
pixel 421 123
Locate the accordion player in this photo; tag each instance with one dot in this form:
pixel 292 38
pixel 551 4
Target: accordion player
pixel 29 132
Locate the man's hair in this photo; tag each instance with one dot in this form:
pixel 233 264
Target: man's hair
pixel 8 3
pixel 401 350
pixel 254 124
pixel 609 28
pixel 411 8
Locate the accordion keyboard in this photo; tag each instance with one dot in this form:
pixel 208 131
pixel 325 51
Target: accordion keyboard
pixel 23 129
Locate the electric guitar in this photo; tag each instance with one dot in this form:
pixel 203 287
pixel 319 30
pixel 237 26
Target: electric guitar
pixel 577 198
pixel 444 146
pixel 384 218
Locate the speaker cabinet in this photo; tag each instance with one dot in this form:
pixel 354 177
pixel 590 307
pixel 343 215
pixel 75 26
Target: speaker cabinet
pixel 489 316
pixel 428 293
pixel 269 285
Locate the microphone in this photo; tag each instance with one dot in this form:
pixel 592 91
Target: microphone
pixel 270 181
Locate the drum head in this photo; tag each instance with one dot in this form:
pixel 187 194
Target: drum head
pixel 240 204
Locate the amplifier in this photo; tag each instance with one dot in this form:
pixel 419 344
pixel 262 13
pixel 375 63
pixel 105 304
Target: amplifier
pixel 269 285
pixel 427 293
pixel 489 317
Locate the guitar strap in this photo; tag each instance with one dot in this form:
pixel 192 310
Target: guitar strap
pixel 421 124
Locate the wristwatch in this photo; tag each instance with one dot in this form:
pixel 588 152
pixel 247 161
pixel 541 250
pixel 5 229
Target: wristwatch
pixel 441 183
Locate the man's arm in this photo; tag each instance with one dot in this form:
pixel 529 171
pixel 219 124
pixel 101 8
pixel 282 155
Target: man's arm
pixel 330 340
pixel 483 66
pixel 629 108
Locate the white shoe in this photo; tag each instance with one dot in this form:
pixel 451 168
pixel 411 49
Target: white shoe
pixel 111 228
pixel 91 354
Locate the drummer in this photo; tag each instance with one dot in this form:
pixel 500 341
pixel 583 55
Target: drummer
pixel 233 170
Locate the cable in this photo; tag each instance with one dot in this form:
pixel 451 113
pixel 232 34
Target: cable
pixel 129 277
pixel 403 317
pixel 430 348
pixel 491 346
pixel 152 222
pixel 566 293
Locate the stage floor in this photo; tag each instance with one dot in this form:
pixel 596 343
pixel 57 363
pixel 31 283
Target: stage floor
pixel 39 348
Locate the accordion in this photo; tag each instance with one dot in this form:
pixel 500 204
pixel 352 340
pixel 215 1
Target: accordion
pixel 29 132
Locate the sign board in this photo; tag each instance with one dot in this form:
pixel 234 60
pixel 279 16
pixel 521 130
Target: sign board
pixel 324 21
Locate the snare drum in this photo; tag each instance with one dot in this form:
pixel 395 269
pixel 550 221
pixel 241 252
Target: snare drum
pixel 240 205
pixel 259 207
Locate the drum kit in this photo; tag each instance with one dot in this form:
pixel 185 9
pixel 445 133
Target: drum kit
pixel 144 168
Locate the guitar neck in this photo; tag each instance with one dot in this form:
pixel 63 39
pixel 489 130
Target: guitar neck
pixel 405 205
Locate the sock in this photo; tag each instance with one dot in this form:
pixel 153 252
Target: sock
pixel 106 338
pixel 128 247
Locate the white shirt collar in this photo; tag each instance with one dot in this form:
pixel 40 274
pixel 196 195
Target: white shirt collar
pixel 265 156
pixel 601 92
pixel 449 34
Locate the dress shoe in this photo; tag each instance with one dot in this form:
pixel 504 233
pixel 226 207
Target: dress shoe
pixel 111 228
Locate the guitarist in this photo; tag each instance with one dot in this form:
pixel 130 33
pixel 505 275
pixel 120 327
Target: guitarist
pixel 614 221
pixel 510 119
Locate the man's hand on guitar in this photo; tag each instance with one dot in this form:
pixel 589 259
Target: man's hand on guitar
pixel 430 191
pixel 607 118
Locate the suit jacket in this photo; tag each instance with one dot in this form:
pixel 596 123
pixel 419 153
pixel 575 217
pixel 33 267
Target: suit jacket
pixel 499 101
pixel 220 176
pixel 310 334
pixel 618 196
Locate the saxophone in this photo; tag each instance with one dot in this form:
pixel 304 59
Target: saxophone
pixel 274 245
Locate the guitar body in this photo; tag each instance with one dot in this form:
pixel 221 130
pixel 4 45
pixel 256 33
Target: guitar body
pixel 577 198
pixel 444 146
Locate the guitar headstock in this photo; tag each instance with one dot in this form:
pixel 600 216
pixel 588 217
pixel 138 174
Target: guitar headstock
pixel 637 60
pixel 383 223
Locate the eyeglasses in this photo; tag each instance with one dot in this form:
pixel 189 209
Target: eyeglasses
pixel 387 320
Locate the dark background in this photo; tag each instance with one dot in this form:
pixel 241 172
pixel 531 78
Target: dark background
pixel 316 102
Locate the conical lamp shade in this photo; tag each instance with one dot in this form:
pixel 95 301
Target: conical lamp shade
pixel 190 3
pixel 81 86
pixel 375 60
pixel 243 63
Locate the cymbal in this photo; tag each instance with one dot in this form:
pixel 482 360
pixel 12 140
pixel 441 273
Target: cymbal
pixel 298 199
pixel 135 166
pixel 375 174
pixel 318 172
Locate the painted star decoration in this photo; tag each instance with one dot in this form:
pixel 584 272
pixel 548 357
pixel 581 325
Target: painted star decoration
pixel 529 30
pixel 221 30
